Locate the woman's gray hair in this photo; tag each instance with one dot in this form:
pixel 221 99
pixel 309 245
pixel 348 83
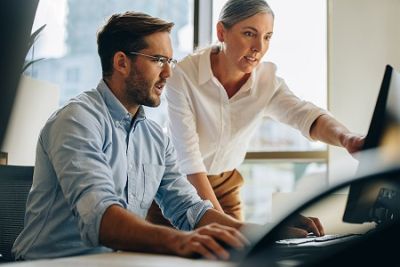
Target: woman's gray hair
pixel 235 11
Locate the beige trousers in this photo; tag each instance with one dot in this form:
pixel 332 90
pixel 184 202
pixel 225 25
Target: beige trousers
pixel 226 187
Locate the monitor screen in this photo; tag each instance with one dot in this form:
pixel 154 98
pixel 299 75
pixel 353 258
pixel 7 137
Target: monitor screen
pixel 372 200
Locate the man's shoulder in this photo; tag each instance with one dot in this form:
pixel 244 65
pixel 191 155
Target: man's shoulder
pixel 87 105
pixel 86 101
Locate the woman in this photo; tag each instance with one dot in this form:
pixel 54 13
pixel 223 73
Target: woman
pixel 218 97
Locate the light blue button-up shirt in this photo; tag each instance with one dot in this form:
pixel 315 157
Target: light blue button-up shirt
pixel 92 154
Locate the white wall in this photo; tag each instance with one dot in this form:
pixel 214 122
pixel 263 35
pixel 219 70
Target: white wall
pixel 34 103
pixel 363 36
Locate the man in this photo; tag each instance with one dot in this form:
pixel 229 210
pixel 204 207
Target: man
pixel 100 163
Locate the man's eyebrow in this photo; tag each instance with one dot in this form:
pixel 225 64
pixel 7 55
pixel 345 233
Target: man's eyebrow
pixel 158 55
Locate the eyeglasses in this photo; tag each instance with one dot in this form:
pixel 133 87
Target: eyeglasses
pixel 161 60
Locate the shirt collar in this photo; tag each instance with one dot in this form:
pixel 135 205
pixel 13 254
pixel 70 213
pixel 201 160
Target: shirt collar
pixel 249 83
pixel 205 71
pixel 140 114
pixel 117 110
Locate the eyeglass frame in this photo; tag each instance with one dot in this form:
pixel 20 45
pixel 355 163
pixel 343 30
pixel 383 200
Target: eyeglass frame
pixel 161 60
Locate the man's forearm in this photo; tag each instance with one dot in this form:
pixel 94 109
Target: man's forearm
pixel 123 230
pixel 214 216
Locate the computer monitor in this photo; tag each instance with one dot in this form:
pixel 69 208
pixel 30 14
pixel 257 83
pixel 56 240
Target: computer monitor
pixel 374 197
pixel 378 200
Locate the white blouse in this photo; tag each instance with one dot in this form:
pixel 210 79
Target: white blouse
pixel 211 132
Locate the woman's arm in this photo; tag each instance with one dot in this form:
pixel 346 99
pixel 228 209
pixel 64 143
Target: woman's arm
pixel 327 129
pixel 202 184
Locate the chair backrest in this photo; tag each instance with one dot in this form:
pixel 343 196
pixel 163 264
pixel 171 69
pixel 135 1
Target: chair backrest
pixel 15 183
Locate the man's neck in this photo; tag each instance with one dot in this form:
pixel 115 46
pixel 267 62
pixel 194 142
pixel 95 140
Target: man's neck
pixel 117 88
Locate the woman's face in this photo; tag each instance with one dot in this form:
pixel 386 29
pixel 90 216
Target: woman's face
pixel 246 42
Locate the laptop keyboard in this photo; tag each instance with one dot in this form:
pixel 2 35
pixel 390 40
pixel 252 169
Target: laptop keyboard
pixel 297 241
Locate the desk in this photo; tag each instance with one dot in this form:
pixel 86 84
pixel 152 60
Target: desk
pixel 121 259
pixel 329 210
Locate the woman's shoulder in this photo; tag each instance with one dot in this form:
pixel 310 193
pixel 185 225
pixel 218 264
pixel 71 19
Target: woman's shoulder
pixel 267 67
pixel 190 66
pixel 266 75
pixel 191 61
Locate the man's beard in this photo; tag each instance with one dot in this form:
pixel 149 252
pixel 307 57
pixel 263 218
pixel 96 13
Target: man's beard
pixel 139 90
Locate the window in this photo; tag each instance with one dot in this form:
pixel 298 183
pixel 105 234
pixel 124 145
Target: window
pixel 68 42
pixel 264 178
pixel 72 75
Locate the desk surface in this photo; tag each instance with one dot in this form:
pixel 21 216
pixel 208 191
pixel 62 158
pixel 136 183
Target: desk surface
pixel 329 210
pixel 121 259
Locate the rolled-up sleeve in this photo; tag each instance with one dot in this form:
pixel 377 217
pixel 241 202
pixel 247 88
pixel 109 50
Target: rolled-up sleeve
pixel 75 148
pixel 90 209
pixel 176 196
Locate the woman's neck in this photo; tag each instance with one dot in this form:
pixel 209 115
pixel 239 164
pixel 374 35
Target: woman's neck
pixel 230 78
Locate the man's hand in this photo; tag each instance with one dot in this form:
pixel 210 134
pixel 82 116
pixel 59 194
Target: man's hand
pixel 300 226
pixel 209 241
pixel 352 142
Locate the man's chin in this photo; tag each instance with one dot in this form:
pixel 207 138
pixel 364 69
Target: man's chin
pixel 153 103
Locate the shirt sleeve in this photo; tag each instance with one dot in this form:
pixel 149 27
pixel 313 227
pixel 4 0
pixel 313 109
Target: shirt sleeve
pixel 182 124
pixel 286 107
pixel 75 147
pixel 177 197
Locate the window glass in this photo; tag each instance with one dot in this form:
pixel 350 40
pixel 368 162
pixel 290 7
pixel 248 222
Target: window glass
pixel 299 49
pixel 264 178
pixel 68 42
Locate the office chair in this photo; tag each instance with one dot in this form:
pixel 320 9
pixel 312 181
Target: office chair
pixel 15 183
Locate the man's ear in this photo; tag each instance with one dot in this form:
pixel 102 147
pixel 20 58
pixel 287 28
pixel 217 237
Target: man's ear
pixel 121 63
pixel 220 31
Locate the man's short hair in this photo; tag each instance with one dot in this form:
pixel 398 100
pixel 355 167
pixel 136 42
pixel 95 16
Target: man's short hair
pixel 126 32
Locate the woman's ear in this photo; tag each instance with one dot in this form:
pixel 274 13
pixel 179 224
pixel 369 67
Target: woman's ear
pixel 220 31
pixel 121 63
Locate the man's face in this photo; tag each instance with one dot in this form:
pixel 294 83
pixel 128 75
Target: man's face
pixel 147 78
